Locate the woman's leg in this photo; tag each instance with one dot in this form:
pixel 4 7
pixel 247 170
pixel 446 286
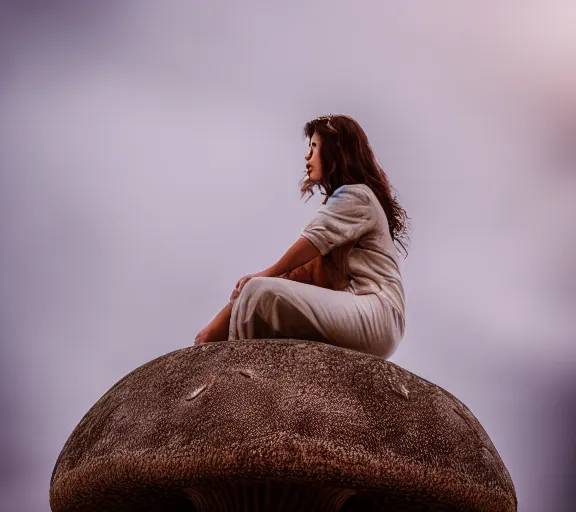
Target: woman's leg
pixel 270 307
pixel 217 329
pixel 329 271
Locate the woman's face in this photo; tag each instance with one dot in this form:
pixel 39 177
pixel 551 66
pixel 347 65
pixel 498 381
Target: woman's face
pixel 314 164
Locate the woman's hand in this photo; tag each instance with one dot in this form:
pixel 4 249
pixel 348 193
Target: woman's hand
pixel 240 284
pixel 300 253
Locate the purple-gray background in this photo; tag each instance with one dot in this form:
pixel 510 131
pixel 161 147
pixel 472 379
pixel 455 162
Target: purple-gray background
pixel 150 154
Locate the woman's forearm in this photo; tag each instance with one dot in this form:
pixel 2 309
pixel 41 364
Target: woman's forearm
pixel 301 252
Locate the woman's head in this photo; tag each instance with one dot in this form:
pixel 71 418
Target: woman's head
pixel 340 154
pixel 314 167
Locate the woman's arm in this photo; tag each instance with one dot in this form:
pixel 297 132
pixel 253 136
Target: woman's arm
pixel 301 252
pixel 346 217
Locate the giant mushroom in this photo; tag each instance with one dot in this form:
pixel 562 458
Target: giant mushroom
pixel 278 425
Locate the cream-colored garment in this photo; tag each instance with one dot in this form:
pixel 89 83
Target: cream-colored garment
pixel 353 213
pixel 367 316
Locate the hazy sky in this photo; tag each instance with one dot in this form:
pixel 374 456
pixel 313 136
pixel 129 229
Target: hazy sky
pixel 150 155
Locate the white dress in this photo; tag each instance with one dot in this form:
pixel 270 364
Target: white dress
pixel 367 316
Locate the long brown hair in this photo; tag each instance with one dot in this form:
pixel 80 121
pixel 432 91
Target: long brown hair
pixel 347 158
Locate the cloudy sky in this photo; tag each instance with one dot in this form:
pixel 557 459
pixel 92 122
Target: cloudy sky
pixel 150 154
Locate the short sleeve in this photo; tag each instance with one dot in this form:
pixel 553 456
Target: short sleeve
pixel 347 215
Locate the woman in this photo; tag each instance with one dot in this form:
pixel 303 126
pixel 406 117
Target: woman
pixel 359 302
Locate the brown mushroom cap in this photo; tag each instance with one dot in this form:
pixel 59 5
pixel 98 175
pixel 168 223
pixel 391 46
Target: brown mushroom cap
pixel 259 424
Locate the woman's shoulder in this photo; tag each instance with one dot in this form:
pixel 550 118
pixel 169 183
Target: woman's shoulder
pixel 355 190
pixel 361 194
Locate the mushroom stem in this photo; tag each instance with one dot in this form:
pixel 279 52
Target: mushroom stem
pixel 267 495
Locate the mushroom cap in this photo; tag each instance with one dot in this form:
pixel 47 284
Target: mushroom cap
pixel 285 412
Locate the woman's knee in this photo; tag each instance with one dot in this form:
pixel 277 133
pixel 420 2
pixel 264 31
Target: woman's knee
pixel 256 284
pixel 258 287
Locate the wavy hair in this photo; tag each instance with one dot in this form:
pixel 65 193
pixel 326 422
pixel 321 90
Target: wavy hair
pixel 347 158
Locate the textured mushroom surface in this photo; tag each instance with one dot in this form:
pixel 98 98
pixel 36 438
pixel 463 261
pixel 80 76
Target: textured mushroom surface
pixel 253 424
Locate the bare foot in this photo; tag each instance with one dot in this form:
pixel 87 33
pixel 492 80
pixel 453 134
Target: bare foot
pixel 206 335
pixel 217 329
